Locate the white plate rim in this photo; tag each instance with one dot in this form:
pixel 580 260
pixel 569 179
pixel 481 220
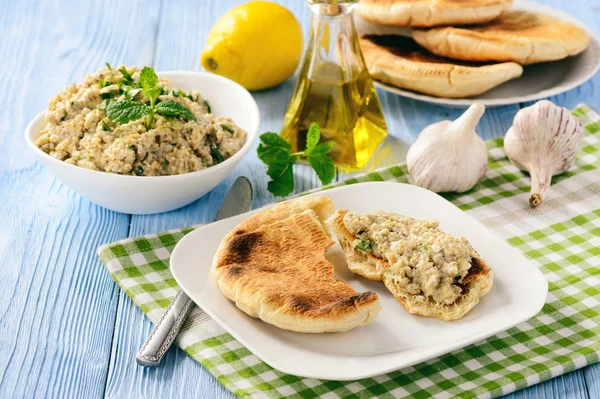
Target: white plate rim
pixel 537 277
pixel 594 47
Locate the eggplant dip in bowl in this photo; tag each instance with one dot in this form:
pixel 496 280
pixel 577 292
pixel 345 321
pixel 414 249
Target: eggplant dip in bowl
pixel 138 143
pixel 127 121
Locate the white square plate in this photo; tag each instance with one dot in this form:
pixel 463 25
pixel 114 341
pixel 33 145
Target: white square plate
pixel 396 339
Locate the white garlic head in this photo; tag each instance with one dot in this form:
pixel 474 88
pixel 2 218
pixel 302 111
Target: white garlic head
pixel 544 141
pixel 449 156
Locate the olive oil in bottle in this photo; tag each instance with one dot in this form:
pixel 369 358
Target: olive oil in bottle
pixel 335 90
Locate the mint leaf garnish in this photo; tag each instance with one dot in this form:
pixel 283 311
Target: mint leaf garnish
pixel 173 109
pixel 153 93
pixel 104 104
pixel 148 79
pixel 131 93
pixel 126 111
pixel 149 82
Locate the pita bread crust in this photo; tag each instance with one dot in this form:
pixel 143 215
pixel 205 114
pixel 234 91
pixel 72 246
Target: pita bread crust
pixel 320 204
pixel 273 267
pixel 426 13
pixel 520 36
pixel 475 285
pixel 399 61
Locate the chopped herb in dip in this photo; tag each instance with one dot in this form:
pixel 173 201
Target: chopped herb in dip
pixel 227 127
pixel 364 245
pixel 105 127
pixel 216 154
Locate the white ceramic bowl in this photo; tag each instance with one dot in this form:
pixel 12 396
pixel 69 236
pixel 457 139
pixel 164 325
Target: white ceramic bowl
pixel 154 194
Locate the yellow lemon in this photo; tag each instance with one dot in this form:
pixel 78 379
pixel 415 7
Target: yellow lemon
pixel 257 44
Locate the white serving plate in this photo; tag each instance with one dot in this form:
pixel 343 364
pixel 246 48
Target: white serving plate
pixel 538 80
pixel 396 339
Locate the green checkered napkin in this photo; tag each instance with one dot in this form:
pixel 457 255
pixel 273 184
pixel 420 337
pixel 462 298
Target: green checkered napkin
pixel 561 237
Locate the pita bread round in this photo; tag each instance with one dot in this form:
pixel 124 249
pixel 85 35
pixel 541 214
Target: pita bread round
pixel 425 13
pixel 399 61
pixel 521 36
pixel 273 266
pixel 476 284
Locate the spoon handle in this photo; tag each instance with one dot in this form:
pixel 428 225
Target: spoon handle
pixel 165 331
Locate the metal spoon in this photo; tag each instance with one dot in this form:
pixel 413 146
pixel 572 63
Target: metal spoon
pixel 238 200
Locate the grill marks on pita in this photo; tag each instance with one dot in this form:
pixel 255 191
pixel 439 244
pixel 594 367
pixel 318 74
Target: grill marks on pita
pixel 273 267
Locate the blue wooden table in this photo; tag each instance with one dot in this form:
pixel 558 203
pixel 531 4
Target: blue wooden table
pixel 66 330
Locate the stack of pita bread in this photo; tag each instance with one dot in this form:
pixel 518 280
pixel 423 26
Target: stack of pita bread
pixel 462 48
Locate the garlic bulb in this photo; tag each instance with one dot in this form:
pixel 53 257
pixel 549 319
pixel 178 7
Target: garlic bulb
pixel 449 155
pixel 544 141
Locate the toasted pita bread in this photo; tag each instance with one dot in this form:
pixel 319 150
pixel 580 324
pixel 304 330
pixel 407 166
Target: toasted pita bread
pixel 399 61
pixel 321 205
pixel 426 13
pixel 475 285
pixel 521 36
pixel 273 267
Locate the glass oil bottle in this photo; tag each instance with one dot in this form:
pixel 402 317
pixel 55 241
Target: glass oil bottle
pixel 335 90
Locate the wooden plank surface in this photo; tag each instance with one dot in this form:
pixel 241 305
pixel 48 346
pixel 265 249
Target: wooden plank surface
pixel 59 307
pixel 65 328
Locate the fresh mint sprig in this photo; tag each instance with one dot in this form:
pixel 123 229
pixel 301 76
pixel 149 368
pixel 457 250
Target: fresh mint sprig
pixel 125 111
pixel 149 82
pixel 276 153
